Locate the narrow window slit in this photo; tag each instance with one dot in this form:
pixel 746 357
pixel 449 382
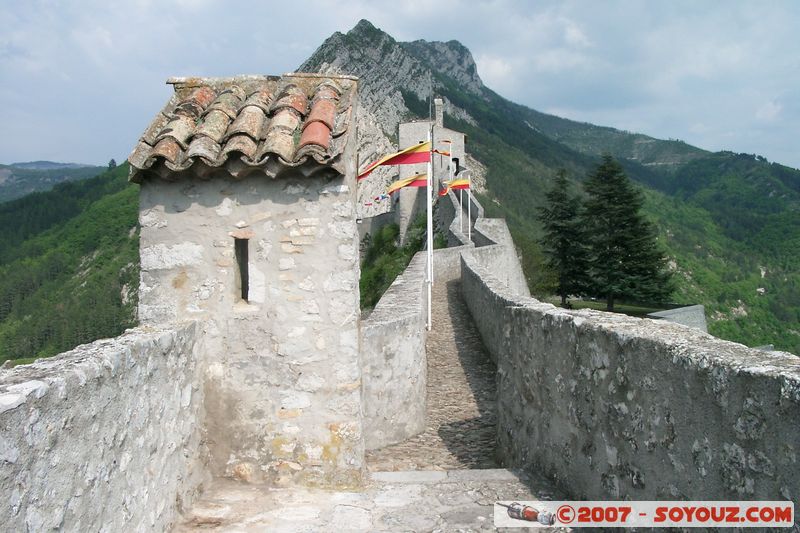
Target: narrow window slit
pixel 243 280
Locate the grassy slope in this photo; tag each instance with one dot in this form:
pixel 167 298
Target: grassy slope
pixel 73 278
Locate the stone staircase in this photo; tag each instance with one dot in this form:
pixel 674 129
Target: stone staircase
pixel 445 479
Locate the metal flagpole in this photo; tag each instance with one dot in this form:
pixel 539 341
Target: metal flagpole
pixel 428 190
pixel 461 211
pixel 469 206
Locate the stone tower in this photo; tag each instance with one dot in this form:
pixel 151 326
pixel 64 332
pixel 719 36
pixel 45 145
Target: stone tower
pixel 247 225
pixel 411 200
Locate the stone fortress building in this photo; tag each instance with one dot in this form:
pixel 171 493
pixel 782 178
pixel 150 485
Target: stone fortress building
pixel 247 194
pixel 253 363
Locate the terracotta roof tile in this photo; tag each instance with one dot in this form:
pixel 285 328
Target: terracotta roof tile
pixel 316 133
pixel 204 147
pixel 168 149
pixel 248 123
pixel 279 137
pixel 323 111
pixel 159 123
pixel 229 101
pixel 180 128
pixel 291 96
pixel 213 125
pixel 241 143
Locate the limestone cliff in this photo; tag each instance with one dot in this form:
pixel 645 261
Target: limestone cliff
pixel 396 80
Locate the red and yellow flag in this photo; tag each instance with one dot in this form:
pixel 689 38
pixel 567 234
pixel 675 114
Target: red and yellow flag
pixel 420 180
pixel 445 153
pixel 419 153
pixel 458 184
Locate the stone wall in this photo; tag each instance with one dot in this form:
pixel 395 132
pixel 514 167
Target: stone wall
pixel 282 375
pixel 393 343
pixel 372 225
pixel 497 252
pixel 105 437
pixel 394 360
pixel 613 407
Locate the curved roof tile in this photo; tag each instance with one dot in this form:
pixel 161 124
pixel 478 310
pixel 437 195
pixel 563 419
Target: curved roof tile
pixel 247 122
pixel 316 133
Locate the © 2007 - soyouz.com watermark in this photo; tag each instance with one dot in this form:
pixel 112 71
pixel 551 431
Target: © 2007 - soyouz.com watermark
pixel 644 514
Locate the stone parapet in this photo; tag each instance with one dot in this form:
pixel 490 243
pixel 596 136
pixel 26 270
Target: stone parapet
pixel 105 437
pixel 394 360
pixel 616 407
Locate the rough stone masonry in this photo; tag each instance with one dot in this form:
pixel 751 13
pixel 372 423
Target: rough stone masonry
pixel 251 230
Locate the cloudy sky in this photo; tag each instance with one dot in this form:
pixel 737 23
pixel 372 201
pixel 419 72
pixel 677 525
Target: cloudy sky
pixel 79 80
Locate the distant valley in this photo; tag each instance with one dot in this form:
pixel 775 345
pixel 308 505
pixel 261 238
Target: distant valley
pixel 19 179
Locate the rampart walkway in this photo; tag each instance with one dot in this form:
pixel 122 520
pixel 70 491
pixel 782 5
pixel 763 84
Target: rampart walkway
pixel 445 479
pixel 461 410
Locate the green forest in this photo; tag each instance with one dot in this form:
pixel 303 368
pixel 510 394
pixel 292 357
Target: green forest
pixel 69 266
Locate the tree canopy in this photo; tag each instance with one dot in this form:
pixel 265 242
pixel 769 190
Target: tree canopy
pixel 564 239
pixel 625 260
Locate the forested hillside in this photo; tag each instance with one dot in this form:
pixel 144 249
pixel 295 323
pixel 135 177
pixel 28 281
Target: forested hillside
pixel 730 222
pixel 68 265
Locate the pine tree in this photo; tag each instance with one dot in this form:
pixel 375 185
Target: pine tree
pixel 624 258
pixel 563 239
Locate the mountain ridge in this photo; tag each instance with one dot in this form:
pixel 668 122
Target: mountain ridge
pixel 45 165
pixel 729 222
pixel 20 179
pixel 741 201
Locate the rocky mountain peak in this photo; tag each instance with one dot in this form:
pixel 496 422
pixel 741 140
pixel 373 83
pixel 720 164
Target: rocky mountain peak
pixel 450 58
pixel 366 31
pixel 366 50
pixel 396 81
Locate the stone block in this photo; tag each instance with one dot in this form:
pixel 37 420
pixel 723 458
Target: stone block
pixel 291 248
pixel 161 256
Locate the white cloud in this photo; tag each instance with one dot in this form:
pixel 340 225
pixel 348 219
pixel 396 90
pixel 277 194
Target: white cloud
pixel 96 43
pixel 495 71
pixel 574 36
pixel 769 111
pixel 721 75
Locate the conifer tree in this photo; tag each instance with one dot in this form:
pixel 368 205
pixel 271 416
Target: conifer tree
pixel 625 260
pixel 563 239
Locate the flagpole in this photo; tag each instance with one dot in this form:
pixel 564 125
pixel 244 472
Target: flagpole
pixel 461 211
pixel 428 190
pixel 469 207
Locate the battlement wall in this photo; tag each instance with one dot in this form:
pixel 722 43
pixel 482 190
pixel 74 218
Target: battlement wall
pixel 104 436
pixel 611 406
pixel 394 360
